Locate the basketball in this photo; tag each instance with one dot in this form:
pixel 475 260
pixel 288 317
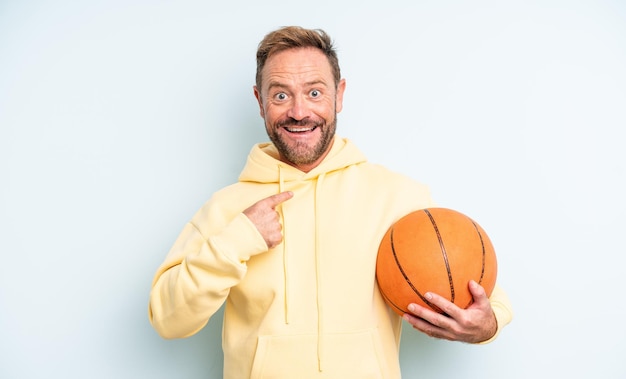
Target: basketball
pixel 436 250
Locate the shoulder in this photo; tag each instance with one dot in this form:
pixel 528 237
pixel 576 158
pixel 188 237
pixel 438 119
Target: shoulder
pixel 392 187
pixel 391 178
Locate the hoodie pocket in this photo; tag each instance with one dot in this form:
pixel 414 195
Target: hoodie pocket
pixel 344 355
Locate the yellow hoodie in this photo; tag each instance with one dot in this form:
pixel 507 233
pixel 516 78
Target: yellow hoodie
pixel 310 307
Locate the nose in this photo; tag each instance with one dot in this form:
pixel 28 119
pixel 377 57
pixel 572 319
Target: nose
pixel 299 109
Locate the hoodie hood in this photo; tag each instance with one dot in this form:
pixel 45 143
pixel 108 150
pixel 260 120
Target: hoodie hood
pixel 263 164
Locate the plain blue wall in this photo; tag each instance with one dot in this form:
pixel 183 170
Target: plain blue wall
pixel 118 119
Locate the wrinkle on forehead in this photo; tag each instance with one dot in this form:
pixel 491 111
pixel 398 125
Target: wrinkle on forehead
pixel 303 66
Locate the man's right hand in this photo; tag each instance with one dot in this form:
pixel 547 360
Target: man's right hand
pixel 264 216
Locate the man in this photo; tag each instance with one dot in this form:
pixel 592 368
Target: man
pixel 291 248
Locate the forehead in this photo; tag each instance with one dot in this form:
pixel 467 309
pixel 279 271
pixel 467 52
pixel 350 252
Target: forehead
pixel 297 64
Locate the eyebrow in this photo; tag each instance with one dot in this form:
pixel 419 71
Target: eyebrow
pixel 275 84
pixel 272 85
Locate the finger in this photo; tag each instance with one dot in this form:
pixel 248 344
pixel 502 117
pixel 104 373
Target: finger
pixel 428 315
pixel 478 293
pixel 428 327
pixel 476 289
pixel 445 305
pixel 279 198
pixel 419 312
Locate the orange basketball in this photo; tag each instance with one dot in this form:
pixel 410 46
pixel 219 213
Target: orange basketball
pixel 435 250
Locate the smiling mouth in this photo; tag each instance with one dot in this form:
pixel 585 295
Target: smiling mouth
pixel 300 130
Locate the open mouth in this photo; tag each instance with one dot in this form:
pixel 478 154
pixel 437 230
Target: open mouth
pixel 300 129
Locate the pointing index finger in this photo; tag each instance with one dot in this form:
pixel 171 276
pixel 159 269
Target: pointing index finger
pixel 279 198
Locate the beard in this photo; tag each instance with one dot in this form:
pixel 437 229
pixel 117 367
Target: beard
pixel 301 153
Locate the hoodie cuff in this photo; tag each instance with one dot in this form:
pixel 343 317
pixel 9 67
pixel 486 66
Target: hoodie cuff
pixel 240 240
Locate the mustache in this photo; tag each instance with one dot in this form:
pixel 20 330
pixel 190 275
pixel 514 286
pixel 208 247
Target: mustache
pixel 306 123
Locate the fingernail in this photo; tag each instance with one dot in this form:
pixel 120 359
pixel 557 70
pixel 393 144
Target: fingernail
pixel 428 296
pixel 412 307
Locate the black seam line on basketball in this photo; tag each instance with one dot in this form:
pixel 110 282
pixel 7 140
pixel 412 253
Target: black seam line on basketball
pixel 482 244
pixel 444 253
pixel 406 278
pixel 389 301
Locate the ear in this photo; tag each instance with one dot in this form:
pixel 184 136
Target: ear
pixel 341 87
pixel 257 94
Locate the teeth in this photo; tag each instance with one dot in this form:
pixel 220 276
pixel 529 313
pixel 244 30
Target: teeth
pixel 296 130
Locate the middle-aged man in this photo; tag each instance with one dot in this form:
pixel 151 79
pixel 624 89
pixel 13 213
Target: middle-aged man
pixel 291 248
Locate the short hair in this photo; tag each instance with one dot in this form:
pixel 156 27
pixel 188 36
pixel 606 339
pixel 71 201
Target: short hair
pixel 294 37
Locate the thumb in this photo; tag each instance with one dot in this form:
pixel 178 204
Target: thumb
pixel 478 292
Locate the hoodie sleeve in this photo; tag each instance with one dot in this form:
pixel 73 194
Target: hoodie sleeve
pixel 195 278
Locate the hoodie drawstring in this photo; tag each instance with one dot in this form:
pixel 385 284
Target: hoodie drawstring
pixel 281 186
pixel 318 275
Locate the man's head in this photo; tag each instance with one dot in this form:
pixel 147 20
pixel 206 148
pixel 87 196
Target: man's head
pixel 300 91
pixel 293 37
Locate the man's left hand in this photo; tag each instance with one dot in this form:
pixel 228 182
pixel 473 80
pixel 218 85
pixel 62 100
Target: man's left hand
pixel 475 324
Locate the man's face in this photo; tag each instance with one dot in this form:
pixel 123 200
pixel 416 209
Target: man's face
pixel 299 103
